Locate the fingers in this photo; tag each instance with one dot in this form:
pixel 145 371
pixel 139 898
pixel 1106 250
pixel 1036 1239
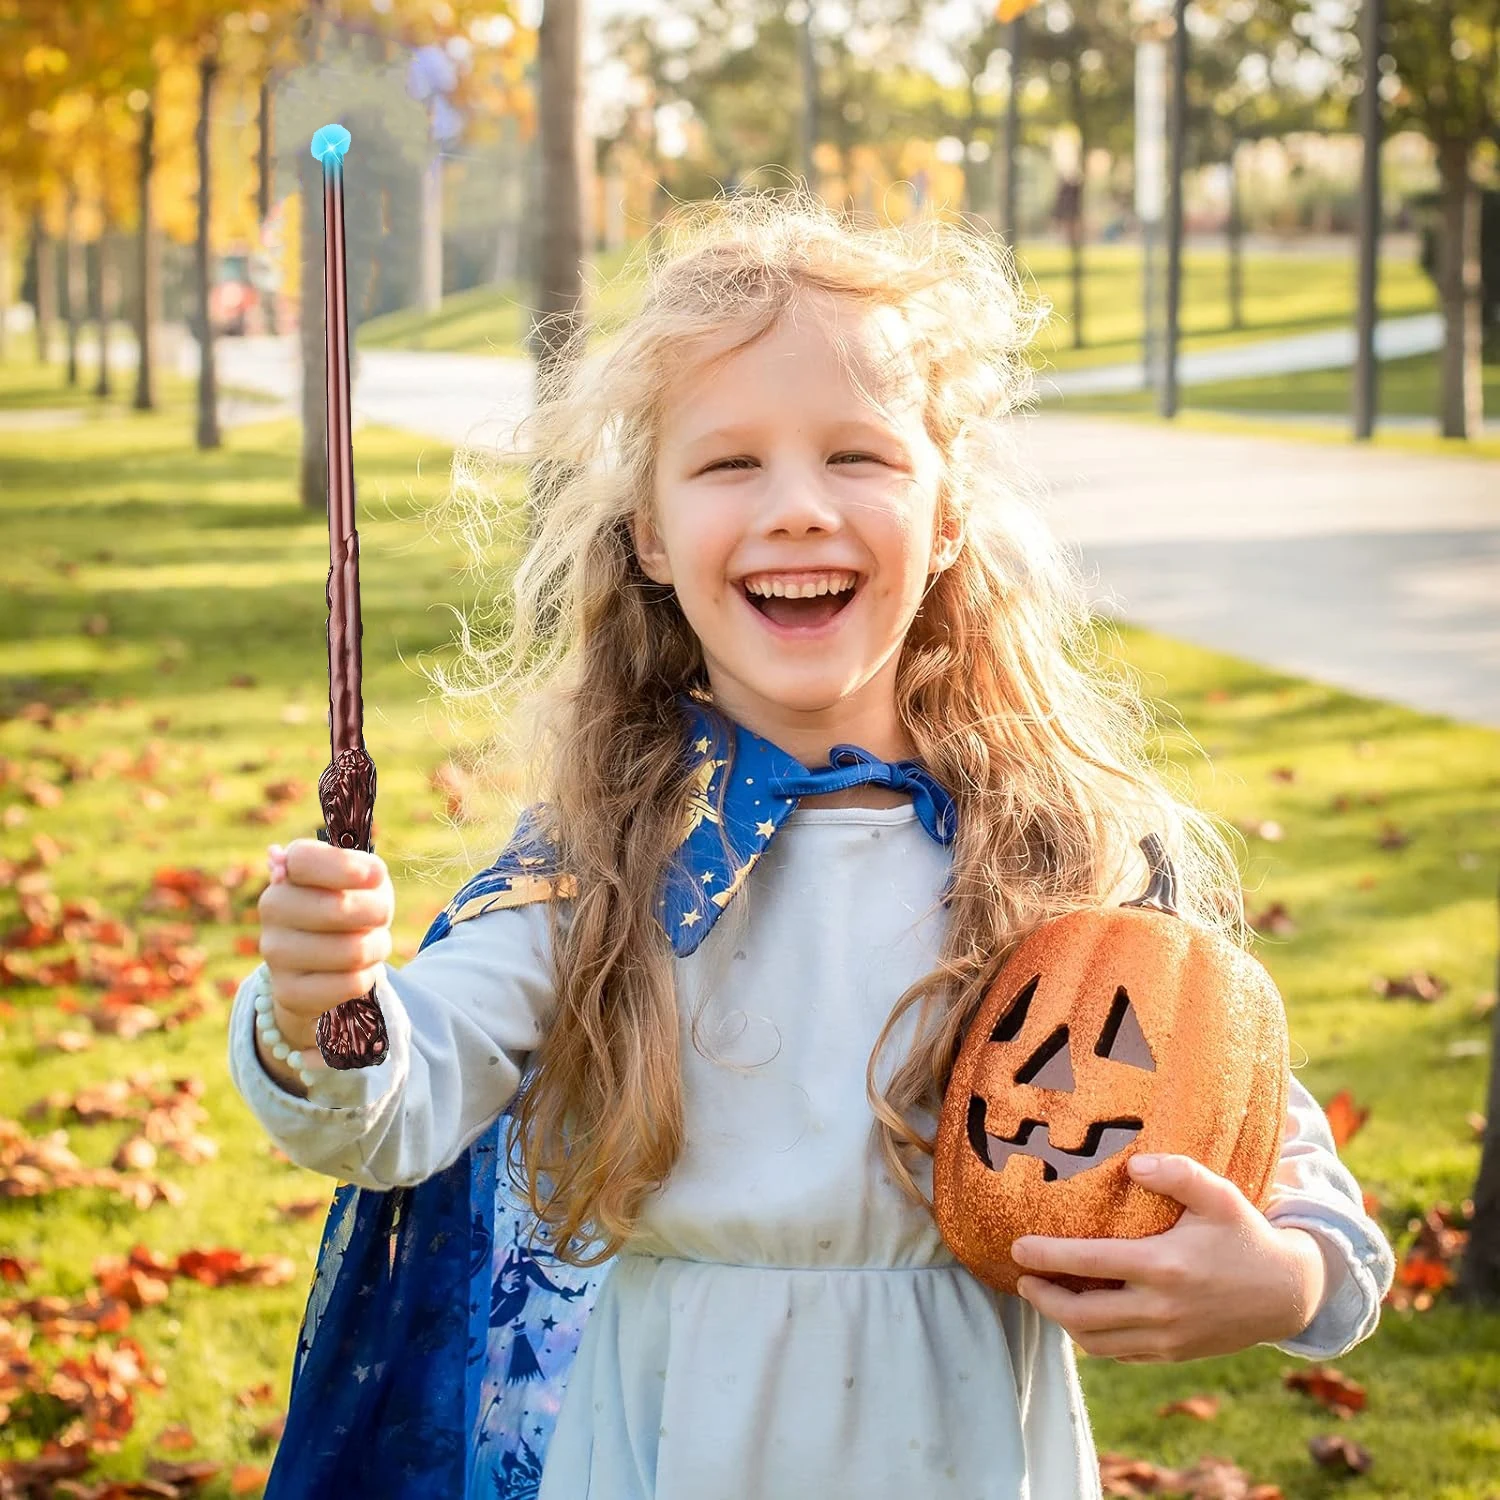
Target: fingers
pixel 286 949
pixel 312 862
pixel 1189 1183
pixel 1092 1312
pixel 1131 1324
pixel 307 996
pixel 1105 1260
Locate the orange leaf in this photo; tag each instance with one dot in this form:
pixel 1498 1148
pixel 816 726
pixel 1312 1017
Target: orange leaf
pixel 1199 1408
pixel 1345 1117
pixel 248 1479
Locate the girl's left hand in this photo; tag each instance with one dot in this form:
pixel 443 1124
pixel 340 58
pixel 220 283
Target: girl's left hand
pixel 1220 1279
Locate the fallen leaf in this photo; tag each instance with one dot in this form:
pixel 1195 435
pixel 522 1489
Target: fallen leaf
pixel 1274 920
pixel 255 1395
pixel 1345 1117
pixel 1420 984
pixel 1199 1408
pixel 176 1439
pixel 242 680
pixel 1334 1452
pixel 1328 1387
pixel 248 1479
pixel 269 1432
pixel 183 1476
pixel 1392 836
pixel 302 1208
pixel 1284 774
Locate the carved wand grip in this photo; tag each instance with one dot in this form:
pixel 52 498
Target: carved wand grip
pixel 353 1034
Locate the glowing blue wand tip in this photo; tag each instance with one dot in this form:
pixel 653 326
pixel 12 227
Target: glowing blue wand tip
pixel 330 141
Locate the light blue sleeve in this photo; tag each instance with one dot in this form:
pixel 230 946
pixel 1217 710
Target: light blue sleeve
pixel 1315 1191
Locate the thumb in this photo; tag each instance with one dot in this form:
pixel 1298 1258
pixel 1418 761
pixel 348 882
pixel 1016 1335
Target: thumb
pixel 1199 1190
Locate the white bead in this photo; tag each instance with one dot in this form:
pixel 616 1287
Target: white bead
pixel 280 1051
pixel 263 1003
pixel 307 1076
pixel 294 1060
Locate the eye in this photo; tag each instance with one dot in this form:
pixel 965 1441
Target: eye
pixel 1008 1027
pixel 729 463
pixel 1122 1039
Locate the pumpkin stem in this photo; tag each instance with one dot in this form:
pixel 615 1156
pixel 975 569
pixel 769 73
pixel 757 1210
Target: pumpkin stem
pixel 1161 894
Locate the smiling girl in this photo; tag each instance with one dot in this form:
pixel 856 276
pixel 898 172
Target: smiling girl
pixel 819 739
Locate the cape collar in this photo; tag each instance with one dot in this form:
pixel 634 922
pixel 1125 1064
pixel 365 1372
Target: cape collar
pixel 744 788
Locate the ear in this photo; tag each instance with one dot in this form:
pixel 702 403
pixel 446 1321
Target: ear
pixel 947 544
pixel 649 550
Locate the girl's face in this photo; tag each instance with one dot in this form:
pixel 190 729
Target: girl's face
pixel 799 529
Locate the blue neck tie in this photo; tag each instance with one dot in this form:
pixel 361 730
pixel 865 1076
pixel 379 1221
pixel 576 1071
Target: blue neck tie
pixel 849 766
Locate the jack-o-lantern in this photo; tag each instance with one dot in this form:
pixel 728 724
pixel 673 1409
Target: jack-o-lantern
pixel 1107 1033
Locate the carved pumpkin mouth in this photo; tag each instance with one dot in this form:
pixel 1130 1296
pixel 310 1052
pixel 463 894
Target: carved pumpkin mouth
pixel 1105 1138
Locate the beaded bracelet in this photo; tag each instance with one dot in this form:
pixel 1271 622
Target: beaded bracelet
pixel 270 1035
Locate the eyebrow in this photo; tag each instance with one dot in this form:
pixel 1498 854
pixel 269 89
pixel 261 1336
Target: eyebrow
pixel 738 431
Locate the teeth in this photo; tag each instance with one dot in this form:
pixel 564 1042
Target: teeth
pixel 807 587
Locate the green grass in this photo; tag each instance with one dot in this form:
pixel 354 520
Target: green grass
pixel 1282 295
pixel 202 568
pixel 1279 406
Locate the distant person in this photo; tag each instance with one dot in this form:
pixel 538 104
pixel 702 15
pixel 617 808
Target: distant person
pixel 818 743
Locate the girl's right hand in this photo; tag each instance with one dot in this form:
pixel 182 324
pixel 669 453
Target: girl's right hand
pixel 325 929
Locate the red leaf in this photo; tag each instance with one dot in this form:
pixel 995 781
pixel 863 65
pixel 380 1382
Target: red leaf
pixel 1328 1387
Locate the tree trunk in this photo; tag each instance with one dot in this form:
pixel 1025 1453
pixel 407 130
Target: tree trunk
pixel 147 293
pixel 560 123
pixel 46 286
pixel 1461 392
pixel 312 469
pixel 1075 219
pixel 102 386
pixel 1479 1276
pixel 430 234
pixel 1010 158
pixel 208 393
pixel 1234 233
pixel 77 282
pixel 312 481
pixel 7 236
pixel 560 133
pixel 265 173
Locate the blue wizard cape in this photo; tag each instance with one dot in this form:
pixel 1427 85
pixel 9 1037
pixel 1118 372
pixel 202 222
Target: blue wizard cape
pixel 434 1351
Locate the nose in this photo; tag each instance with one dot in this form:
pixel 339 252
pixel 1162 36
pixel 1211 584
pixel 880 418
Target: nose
pixel 797 501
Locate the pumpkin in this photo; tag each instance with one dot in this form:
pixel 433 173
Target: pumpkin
pixel 1107 1033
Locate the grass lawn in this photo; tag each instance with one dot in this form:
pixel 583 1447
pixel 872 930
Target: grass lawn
pixel 1280 405
pixel 1282 295
pixel 168 606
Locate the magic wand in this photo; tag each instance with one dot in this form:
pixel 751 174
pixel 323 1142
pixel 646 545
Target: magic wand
pixel 351 1035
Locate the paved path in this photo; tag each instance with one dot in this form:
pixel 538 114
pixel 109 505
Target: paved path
pixel 1374 570
pixel 1325 349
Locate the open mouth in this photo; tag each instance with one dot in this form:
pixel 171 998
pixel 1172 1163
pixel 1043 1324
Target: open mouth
pixel 1105 1138
pixel 809 603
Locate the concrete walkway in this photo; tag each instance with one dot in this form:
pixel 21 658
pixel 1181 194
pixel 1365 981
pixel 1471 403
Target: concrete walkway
pixel 1374 570
pixel 1325 349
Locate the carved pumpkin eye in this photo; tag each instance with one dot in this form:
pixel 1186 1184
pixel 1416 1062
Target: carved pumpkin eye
pixel 1013 1017
pixel 1122 1039
pixel 1050 1066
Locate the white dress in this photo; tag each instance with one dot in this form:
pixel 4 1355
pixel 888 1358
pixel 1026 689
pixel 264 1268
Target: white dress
pixel 785 1322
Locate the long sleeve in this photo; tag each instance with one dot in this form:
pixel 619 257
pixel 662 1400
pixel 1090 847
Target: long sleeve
pixel 1314 1191
pixel 461 1018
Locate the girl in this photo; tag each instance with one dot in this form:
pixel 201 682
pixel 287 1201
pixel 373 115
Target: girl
pixel 819 739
